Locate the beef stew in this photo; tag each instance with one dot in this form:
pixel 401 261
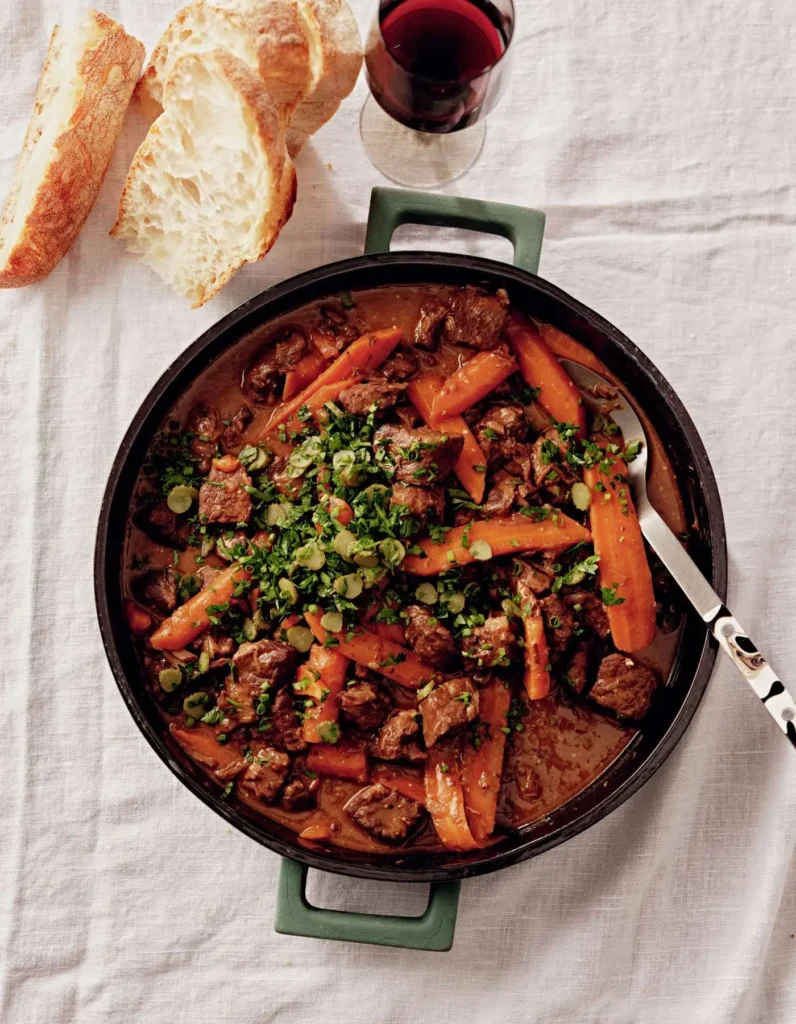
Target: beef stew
pixel 374 594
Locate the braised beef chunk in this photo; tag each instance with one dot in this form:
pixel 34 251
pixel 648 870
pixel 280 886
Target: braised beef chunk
pixel 401 365
pixel 493 645
pixel 501 494
pixel 360 399
pixel 590 611
pixel 258 667
pixel 550 468
pixel 262 378
pixel 205 422
pixel 157 589
pixel 532 577
pixel 476 318
pixel 559 622
pixel 163 526
pixel 286 731
pixel 341 322
pixel 429 639
pixel 423 502
pixel 429 326
pixel 398 738
pixel 232 439
pixel 301 791
pixel 407 416
pixel 266 774
pixel 519 461
pixel 624 685
pixel 364 705
pixel 268 662
pixel 498 428
pixel 222 498
pixel 383 812
pixel 218 645
pixel 420 456
pixel 447 707
pixel 581 667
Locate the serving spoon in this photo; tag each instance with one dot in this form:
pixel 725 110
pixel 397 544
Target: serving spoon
pixel 725 627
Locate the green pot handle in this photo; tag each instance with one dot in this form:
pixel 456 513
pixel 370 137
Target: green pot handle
pixel 296 916
pixel 391 207
pixel 524 228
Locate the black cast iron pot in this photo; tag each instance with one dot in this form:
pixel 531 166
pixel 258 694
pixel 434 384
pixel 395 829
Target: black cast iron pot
pixel 695 654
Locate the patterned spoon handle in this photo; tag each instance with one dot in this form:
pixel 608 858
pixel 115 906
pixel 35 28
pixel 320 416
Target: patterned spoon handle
pixel 756 671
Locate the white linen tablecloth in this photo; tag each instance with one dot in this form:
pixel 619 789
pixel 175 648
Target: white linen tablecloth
pixel 659 139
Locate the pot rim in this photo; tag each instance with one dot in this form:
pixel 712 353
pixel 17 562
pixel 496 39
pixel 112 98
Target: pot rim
pixel 222 336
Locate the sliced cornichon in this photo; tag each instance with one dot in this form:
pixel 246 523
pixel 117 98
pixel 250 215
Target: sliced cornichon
pixel 195 705
pixel 581 496
pixel 480 550
pixel 278 513
pixel 343 543
pixel 349 586
pixel 332 622
pixel 392 552
pixel 300 637
pixel 181 498
pixel 310 556
pixel 169 679
pixel 426 593
pixel 328 732
pixel 455 602
pixel 288 590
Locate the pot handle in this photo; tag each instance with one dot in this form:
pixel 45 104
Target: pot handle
pixel 391 207
pixel 296 916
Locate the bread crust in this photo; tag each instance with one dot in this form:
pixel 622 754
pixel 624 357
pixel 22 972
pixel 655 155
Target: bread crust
pixel 108 70
pixel 309 79
pixel 276 34
pixel 269 127
pixel 332 29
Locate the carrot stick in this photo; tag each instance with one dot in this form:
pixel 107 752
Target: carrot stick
pixel 337 508
pixel 540 368
pixel 392 631
pixel 507 535
pixel 623 560
pixel 314 406
pixel 342 760
pixel 303 373
pixel 445 798
pixel 537 654
pixel 471 465
pixel 201 744
pixel 471 383
pixel 378 654
pixel 321 832
pixel 191 619
pixel 325 671
pixel 361 356
pixel 482 767
pixel 408 785
pixel 138 620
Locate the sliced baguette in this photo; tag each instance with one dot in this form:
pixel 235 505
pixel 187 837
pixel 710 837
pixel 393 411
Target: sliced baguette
pixel 268 35
pixel 211 185
pixel 309 83
pixel 84 90
pixel 336 59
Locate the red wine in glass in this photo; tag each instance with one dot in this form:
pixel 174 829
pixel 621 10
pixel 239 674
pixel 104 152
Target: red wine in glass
pixel 438 66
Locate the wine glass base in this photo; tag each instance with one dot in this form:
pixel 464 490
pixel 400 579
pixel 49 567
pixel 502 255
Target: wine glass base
pixel 415 158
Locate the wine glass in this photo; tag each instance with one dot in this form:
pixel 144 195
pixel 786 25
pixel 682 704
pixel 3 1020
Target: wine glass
pixel 435 68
